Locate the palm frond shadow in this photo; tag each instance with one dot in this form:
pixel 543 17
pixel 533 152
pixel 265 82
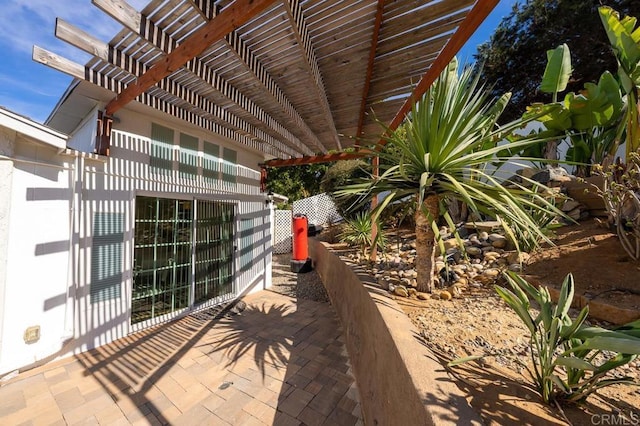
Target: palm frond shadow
pixel 237 336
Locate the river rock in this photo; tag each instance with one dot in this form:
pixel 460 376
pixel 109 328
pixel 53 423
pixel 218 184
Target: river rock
pixel 570 205
pixel 384 284
pixel 462 282
pixel 516 257
pixel 515 267
pixel 474 251
pixel 498 241
pixel 423 296
pixel 445 295
pixel 491 272
pixel 401 291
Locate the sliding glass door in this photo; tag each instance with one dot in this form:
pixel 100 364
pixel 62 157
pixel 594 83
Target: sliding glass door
pixel 165 254
pixel 214 250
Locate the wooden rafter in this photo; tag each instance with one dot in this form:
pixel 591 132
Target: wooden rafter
pixel 143 26
pixel 260 74
pixel 236 14
pixel 303 39
pixel 253 65
pixel 219 62
pixel 80 39
pixel 107 82
pixel 327 158
pixel 470 24
pixel 372 57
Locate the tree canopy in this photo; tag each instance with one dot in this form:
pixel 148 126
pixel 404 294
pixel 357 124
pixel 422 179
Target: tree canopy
pixel 296 182
pixel 515 57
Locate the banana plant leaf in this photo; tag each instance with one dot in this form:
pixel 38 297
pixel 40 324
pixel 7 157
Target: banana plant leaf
pixel 558 70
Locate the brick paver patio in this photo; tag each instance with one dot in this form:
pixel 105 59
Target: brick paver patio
pixel 281 361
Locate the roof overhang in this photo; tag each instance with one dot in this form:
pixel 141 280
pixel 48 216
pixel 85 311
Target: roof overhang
pixel 32 130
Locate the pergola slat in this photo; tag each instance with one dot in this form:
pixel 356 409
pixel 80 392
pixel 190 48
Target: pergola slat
pixel 166 44
pixel 301 33
pixel 468 26
pixel 236 14
pixel 104 51
pixel 100 79
pixel 294 77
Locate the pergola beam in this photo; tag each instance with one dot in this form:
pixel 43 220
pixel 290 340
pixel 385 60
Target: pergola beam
pixel 476 16
pixel 470 24
pixel 236 14
pixel 142 25
pixel 81 72
pixel 80 39
pixel 375 37
pixel 328 158
pixel 303 39
pixel 249 61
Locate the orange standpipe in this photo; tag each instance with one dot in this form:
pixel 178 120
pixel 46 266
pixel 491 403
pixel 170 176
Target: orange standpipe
pixel 300 261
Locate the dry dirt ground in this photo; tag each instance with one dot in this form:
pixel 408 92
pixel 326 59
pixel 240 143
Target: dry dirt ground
pixel 480 323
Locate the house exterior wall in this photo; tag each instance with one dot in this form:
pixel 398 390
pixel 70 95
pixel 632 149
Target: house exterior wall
pixel 37 241
pixel 49 274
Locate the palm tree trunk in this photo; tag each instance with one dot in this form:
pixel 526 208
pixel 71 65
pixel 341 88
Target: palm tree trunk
pixel 425 242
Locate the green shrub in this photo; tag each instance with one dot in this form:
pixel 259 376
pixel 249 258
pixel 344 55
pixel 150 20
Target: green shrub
pixel 357 232
pixel 570 360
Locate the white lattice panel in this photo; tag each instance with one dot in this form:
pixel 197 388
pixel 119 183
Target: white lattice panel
pixel 282 242
pixel 319 209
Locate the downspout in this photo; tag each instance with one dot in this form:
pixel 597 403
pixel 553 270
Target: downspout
pixel 6 189
pixel 73 271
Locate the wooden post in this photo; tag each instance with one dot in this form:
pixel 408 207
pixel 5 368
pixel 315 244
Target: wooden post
pixel 375 166
pixel 103 134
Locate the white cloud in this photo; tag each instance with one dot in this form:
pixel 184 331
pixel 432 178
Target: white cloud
pixel 32 89
pixel 29 22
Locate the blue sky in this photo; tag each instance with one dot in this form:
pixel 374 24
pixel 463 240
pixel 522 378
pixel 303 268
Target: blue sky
pixel 32 89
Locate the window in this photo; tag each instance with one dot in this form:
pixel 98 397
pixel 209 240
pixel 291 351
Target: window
pixel 165 251
pixel 214 250
pixel 161 149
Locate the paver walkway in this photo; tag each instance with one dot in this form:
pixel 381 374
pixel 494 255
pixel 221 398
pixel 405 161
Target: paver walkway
pixel 281 361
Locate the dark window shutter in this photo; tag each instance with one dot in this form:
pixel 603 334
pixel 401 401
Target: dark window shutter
pixel 188 156
pixel 161 149
pixel 106 256
pixel 230 158
pixel 211 161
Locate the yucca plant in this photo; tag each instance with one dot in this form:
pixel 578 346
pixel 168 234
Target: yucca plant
pixel 569 360
pixel 441 152
pixel 357 232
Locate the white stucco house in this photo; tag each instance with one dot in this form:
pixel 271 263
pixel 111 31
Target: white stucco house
pixel 93 248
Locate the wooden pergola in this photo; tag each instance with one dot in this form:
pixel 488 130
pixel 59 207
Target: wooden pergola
pixel 293 79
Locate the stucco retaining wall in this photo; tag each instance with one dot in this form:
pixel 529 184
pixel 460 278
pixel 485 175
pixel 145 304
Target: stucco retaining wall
pixel 399 379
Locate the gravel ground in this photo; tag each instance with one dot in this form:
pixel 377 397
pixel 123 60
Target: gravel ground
pixel 304 285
